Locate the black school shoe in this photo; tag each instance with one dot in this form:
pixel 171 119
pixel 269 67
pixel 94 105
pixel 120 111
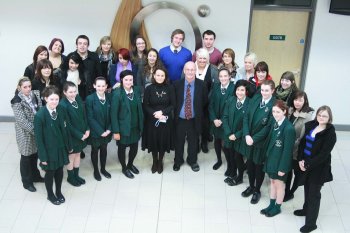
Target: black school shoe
pixel 255 198
pixel 30 188
pixel 128 174
pixel 54 200
pixel 307 229
pixel 134 169
pixel 249 191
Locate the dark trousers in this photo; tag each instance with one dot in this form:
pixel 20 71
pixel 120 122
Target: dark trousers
pixel 185 129
pixel 312 196
pixel 56 175
pixel 205 127
pixel 103 157
pixel 291 188
pixel 132 154
pixel 255 174
pixel 29 169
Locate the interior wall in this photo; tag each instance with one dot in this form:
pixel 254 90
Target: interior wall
pixel 26 24
pixel 328 68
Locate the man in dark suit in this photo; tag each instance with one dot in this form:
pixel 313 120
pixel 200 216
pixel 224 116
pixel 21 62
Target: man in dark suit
pixel 191 96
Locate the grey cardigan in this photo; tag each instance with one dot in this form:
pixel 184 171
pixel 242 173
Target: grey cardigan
pixel 299 126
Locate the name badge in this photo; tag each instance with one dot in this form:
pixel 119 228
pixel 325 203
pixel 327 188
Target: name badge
pixel 264 120
pixel 266 109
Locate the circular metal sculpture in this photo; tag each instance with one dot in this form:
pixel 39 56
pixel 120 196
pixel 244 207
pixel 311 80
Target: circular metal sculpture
pixel 151 8
pixel 203 10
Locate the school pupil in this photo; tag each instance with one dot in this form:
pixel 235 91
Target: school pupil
pixel 127 121
pixel 279 154
pixel 98 107
pixel 53 141
pixel 220 93
pixel 235 109
pixel 78 129
pixel 25 105
pixel 255 129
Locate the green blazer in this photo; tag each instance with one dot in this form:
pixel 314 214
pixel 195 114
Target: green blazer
pixel 97 121
pixel 256 123
pixel 217 103
pixel 121 113
pixel 279 153
pixel 50 140
pixel 77 119
pixel 233 123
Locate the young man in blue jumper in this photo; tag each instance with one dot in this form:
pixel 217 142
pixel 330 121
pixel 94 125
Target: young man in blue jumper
pixel 175 56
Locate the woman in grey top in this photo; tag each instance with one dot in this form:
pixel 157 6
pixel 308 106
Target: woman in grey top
pixel 25 104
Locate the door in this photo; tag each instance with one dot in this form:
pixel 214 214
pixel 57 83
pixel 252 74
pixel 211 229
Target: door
pixel 278 38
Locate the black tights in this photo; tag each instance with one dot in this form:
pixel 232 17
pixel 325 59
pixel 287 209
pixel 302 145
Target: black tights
pixel 50 175
pixel 218 147
pixel 103 157
pixel 238 158
pixel 290 190
pixel 132 154
pixel 255 174
pixel 231 164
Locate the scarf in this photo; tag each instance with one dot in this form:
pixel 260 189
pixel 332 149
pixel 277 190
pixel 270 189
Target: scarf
pixel 201 76
pixel 283 94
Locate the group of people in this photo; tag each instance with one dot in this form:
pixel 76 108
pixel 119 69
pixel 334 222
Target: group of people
pixel 166 98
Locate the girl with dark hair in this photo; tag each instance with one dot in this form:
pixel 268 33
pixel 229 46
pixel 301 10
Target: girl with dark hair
pixel 145 74
pixel 279 150
pixel 235 109
pixel 158 104
pixel 127 121
pixel 56 56
pixel 53 140
pixel 261 73
pixel 73 72
pixel 220 93
pixel 25 105
pixel 299 113
pixel 139 51
pixel 286 88
pixel 314 156
pixel 44 77
pixel 256 126
pixel 41 52
pixel 78 129
pixel 98 107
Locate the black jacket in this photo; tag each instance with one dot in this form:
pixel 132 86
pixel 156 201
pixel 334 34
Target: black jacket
pixel 318 164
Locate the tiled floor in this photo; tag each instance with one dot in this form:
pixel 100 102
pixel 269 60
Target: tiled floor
pixel 173 202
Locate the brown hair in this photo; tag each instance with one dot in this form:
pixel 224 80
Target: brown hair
pixel 325 108
pixel 177 31
pixel 282 105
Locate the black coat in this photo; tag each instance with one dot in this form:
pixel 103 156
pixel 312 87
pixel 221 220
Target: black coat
pixel 200 100
pixel 92 70
pixel 318 164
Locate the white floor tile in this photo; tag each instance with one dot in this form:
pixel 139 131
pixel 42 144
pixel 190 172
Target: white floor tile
pixel 180 202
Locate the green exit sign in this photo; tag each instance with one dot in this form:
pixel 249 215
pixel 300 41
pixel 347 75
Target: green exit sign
pixel 277 37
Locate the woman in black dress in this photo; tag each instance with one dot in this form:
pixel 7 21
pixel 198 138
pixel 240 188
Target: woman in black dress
pixel 314 156
pixel 158 104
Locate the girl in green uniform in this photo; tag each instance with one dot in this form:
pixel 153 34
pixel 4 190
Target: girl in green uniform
pixel 279 154
pixel 220 93
pixel 78 129
pixel 53 141
pixel 98 116
pixel 256 126
pixel 127 121
pixel 235 109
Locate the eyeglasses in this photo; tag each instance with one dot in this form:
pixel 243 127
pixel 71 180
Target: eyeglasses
pixel 322 116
